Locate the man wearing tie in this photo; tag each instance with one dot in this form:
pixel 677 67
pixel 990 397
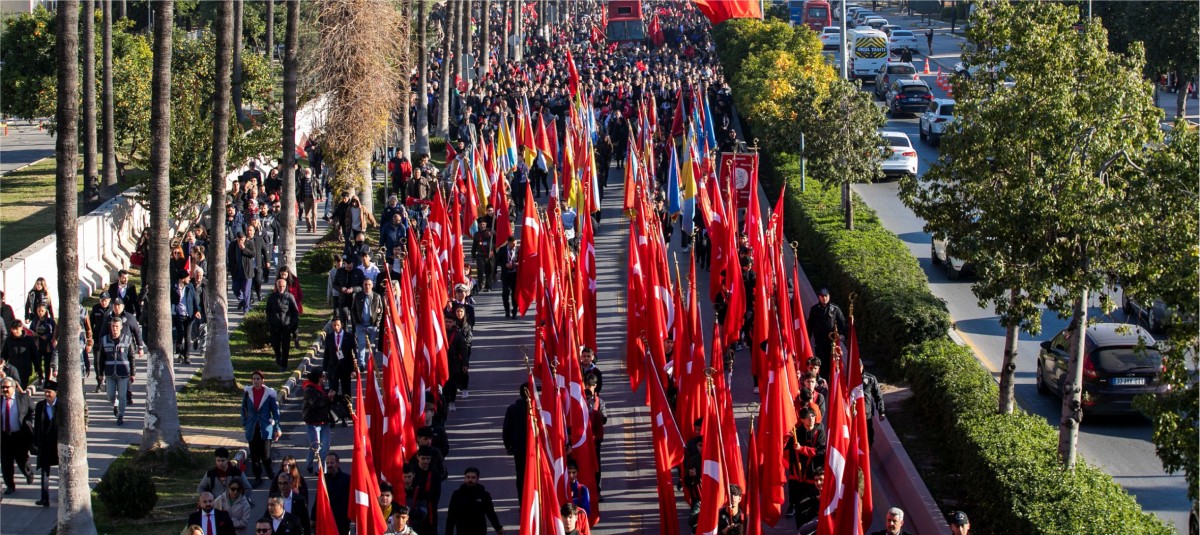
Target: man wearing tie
pixel 339 356
pixel 367 312
pixel 45 437
pixel 16 432
pixel 210 519
pixel 508 277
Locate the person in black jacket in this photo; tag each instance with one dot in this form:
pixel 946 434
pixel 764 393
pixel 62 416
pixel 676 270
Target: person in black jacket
pixel 45 436
pixel 805 450
pixel 283 315
pixel 825 318
pixel 256 242
pixel 459 337
pixel 339 356
pixel 471 508
pixel 241 269
pixel 365 316
pixel 126 291
pixel 7 315
pixel 44 327
pixel 19 350
pixel 98 316
pixel 347 282
pixel 213 521
pixel 16 433
pixel 338 483
pixel 516 418
pixel 279 522
pixel 293 502
pixel 507 258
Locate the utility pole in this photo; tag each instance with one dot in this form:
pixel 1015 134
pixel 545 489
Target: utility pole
pixel 845 51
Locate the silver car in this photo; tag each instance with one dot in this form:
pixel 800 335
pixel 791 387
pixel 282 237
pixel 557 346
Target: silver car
pixel 898 157
pixel 936 119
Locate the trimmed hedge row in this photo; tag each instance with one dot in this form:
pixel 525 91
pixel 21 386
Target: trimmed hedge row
pixel 894 307
pixel 1011 461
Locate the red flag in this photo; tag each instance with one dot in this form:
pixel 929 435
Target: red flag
pixel 718 11
pixel 364 487
pixel 325 523
pixel 399 439
pixel 432 329
pixel 777 418
pixel 572 74
pixel 860 447
pixel 655 32
pixel 834 491
pixel 504 227
pixel 459 271
pixel 635 313
pixel 677 120
pixel 587 267
pixel 450 153
pixel 528 268
pixel 375 415
pixel 799 326
pixel 690 368
pixel 668 451
pixel 712 471
pixel 751 498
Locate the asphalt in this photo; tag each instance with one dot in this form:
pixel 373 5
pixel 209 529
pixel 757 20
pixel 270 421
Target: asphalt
pixel 22 143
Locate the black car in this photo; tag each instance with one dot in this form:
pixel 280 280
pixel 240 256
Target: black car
pixel 1120 363
pixel 908 96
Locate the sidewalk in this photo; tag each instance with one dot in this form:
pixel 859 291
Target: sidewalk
pixel 106 441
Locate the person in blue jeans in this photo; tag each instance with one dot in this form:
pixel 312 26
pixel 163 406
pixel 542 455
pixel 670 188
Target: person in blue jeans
pixel 260 418
pixel 317 419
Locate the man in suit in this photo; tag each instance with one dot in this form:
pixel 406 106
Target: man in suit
pixel 347 282
pixel 16 433
pixel 241 268
pixel 283 315
pixel 260 250
pixel 508 276
pixel 278 521
pixel 339 356
pixel 45 436
pixel 338 483
pixel 213 521
pixel 294 503
pixel 365 315
pixel 127 292
pixel 184 309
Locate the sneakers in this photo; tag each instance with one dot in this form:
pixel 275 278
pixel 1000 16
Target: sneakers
pixel 120 420
pixel 452 407
pixel 464 394
pixel 756 390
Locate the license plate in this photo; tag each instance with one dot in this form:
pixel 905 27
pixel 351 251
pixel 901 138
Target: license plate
pixel 1128 381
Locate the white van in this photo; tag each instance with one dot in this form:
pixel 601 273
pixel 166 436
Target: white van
pixel 868 52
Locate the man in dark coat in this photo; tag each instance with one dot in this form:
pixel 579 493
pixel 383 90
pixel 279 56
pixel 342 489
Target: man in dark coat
pixel 347 282
pixel 7 315
pixel 516 418
pixel 823 319
pixel 339 357
pixel 19 350
pixel 260 249
pixel 507 258
pixel 279 521
pixel 16 433
pixel 45 436
pixel 283 315
pixel 213 521
pixel 471 508
pixel 241 269
pixel 127 292
pixel 338 483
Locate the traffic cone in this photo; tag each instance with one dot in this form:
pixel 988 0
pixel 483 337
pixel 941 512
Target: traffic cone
pixel 941 80
pixel 926 65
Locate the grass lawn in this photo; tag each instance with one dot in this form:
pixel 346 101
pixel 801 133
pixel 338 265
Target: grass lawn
pixel 27 204
pixel 175 482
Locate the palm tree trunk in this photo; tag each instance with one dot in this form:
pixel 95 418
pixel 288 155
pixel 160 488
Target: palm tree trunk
pixel 91 177
pixel 270 33
pixel 288 205
pixel 74 494
pixel 421 14
pixel 218 368
pixel 403 140
pixel 161 432
pixel 106 98
pixel 122 9
pixel 237 60
pixel 448 40
pixel 464 46
pixel 485 41
pixel 518 31
pixel 505 20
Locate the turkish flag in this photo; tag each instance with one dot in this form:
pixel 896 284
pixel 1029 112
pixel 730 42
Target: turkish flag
pixel 364 487
pixel 668 452
pixel 803 346
pixel 689 366
pixel 860 447
pixel 752 500
pixel 572 74
pixel 677 120
pixel 587 268
pixel 432 329
pixel 375 416
pixel 834 495
pixel 450 153
pixel 635 312
pixel 458 267
pixel 718 11
pixel 530 261
pixel 712 469
pixel 504 227
pixel 777 418
pixel 325 523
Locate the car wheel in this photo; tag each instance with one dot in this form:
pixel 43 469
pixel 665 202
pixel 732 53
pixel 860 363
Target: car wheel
pixel 1041 382
pixel 921 131
pixel 933 255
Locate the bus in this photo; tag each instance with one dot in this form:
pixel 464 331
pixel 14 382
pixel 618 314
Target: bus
pixel 625 23
pixel 812 13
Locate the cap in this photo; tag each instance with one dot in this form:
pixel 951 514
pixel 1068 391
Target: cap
pixel 118 301
pixel 959 518
pixel 824 292
pixel 104 295
pixel 460 287
pixel 50 385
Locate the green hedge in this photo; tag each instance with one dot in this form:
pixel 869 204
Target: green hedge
pixel 894 307
pixel 1011 461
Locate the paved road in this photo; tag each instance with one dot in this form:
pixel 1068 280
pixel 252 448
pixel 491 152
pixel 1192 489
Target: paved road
pixel 24 144
pixel 1120 446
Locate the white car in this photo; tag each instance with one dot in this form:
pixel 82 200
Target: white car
pixel 936 119
pixel 873 23
pixel 898 156
pixel 902 40
pixel 831 37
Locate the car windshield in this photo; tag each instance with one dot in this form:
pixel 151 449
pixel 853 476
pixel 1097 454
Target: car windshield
pixel 902 69
pixel 901 33
pixel 915 90
pixel 1126 359
pixel 894 140
pixel 833 30
pixel 818 13
pixel 947 109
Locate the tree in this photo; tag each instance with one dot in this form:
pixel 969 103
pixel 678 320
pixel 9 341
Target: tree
pixel 161 432
pixel 1165 256
pixel 27 50
pixel 356 66
pixel 462 48
pixel 449 24
pixel 269 38
pixel 218 368
pixel 238 17
pixel 91 177
pixel 106 99
pixel 404 140
pixel 485 40
pixel 287 214
pixel 1066 235
pixel 421 12
pixel 1167 33
pixel 74 493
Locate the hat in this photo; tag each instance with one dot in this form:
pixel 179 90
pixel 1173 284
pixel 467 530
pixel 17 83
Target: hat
pixel 824 292
pixel 50 385
pixel 104 295
pixel 460 287
pixel 959 518
pixel 118 301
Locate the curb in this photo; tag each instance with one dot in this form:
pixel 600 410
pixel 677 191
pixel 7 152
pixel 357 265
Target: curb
pixel 920 509
pixel 307 363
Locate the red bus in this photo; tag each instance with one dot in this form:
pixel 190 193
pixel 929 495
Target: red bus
pixel 817 15
pixel 625 21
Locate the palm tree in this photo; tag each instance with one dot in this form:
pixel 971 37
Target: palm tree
pixel 518 31
pixel 218 368
pixel 74 494
pixel 403 141
pixel 161 432
pixel 448 40
pixel 90 176
pixel 270 33
pixel 106 99
pixel 420 11
pixel 464 44
pixel 504 35
pixel 237 60
pixel 288 172
pixel 485 40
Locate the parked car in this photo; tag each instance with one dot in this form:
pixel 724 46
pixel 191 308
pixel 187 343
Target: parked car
pixel 1153 314
pixel 831 37
pixel 936 119
pixel 890 72
pixel 862 16
pixel 908 96
pixel 900 39
pixel 941 253
pixel 1120 362
pixel 873 23
pixel 898 157
pixel 887 29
